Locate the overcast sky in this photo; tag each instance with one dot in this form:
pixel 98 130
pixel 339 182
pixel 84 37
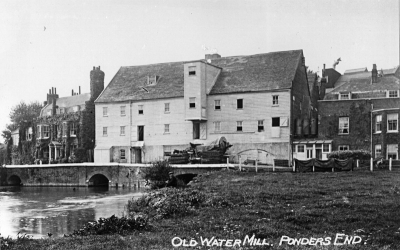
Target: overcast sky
pixel 46 44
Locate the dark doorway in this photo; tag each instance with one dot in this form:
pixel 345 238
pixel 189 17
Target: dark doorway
pixel 14 181
pixel 196 130
pixel 138 155
pixel 140 133
pixel 98 180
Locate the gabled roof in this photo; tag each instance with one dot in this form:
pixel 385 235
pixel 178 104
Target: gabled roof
pixel 352 71
pixel 311 80
pixel 71 101
pixel 270 71
pixel 390 71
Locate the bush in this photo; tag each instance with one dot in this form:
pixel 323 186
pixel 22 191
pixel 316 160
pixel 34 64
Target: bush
pixel 166 203
pixel 112 225
pixel 157 174
pixel 355 154
pixel 80 155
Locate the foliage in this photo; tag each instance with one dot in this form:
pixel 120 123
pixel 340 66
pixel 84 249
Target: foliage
pixel 80 155
pixel 7 243
pixel 157 174
pixel 166 203
pixel 355 154
pixel 87 133
pixel 25 112
pixel 112 225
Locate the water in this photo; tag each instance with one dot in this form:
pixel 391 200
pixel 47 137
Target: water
pixel 37 211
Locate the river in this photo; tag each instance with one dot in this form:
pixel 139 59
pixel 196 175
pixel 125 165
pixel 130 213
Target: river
pixel 37 211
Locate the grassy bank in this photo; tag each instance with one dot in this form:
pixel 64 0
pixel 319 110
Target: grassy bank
pixel 271 206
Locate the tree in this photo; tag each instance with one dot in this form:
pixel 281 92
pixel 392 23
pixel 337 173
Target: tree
pixel 24 112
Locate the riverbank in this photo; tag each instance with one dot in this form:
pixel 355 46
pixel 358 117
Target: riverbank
pixel 282 211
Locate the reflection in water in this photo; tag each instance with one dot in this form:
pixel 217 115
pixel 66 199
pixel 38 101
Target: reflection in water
pixel 37 211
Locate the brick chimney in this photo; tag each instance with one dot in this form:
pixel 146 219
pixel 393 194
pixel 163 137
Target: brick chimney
pixel 374 75
pixel 52 95
pixel 96 82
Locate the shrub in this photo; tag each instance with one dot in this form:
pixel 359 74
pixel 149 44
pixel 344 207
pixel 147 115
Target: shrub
pixel 355 154
pixel 166 203
pixel 80 155
pixel 157 174
pixel 112 225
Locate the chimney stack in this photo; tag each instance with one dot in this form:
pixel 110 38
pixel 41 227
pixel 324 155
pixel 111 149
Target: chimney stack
pixel 374 74
pixel 79 89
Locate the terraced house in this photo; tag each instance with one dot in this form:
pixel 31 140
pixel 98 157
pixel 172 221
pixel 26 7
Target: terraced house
pixel 361 111
pixel 148 111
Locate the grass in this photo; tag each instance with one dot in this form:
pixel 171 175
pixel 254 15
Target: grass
pixel 270 206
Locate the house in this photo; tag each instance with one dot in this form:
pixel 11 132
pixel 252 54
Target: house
pixel 361 111
pixel 148 111
pixel 65 123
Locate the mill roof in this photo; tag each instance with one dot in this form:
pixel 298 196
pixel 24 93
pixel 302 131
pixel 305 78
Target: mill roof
pixel 261 72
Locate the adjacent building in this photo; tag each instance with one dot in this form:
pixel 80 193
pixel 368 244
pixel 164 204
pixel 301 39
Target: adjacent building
pixel 361 111
pixel 254 101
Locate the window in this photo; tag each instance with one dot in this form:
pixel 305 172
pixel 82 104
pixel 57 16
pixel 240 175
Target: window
pixel 378 123
pixel 393 93
pixel 260 125
pixel 29 134
pixel 217 126
pixel 275 100
pixel 300 148
pixel 378 150
pixel 167 150
pixel 39 132
pixel 122 111
pixel 239 103
pixel 152 80
pixel 140 109
pixel 49 112
pixel 217 104
pixel 166 128
pixel 122 154
pixel 76 108
pixel 104 131
pixel 196 130
pixel 239 126
pixel 122 130
pixel 166 107
pixel 344 96
pixel 105 111
pixel 343 125
pixel 276 121
pixel 392 151
pixel 192 70
pixel 343 147
pixel 64 129
pixel 392 122
pixel 192 102
pixel 73 129
pixel 325 148
pixel 46 131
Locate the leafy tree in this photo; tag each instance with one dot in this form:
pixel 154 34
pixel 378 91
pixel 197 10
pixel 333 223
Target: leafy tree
pixel 24 112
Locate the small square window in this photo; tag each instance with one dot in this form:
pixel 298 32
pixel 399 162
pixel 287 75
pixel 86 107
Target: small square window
pixel 393 93
pixel 122 111
pixel 276 121
pixel 239 103
pixel 122 154
pixel 239 126
pixel 122 130
pixel 343 125
pixel 166 128
pixel 104 131
pixel 300 148
pixel 217 104
pixel 325 148
pixel 343 147
pixel 140 109
pixel 192 70
pixel 392 151
pixel 192 102
pixel 260 125
pixel 378 124
pixel 73 129
pixel 167 150
pixel 344 96
pixel 392 120
pixel 46 131
pixel 166 107
pixel 105 111
pixel 378 150
pixel 275 100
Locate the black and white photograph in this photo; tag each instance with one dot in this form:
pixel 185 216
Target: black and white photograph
pixel 200 124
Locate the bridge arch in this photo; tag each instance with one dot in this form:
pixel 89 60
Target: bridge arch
pixel 98 179
pixel 185 177
pixel 14 180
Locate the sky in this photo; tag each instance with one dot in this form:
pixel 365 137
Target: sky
pixel 45 44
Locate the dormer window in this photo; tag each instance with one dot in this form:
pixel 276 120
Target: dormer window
pixel 393 93
pixel 192 70
pixel 152 80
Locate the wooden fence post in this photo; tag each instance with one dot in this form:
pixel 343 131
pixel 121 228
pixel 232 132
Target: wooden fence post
pixel 256 165
pixel 390 164
pixel 294 165
pixel 358 163
pixel 227 163
pixel 273 166
pixel 240 163
pixel 371 167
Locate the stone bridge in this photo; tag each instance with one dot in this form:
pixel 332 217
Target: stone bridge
pixel 89 174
